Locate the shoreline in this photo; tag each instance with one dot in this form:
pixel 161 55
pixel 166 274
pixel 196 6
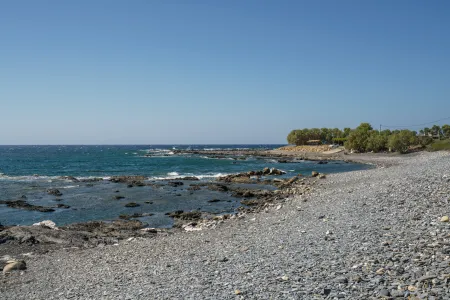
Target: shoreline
pixel 254 235
pixel 41 239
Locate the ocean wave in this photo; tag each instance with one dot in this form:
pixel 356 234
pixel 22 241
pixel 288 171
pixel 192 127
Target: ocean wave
pixel 201 176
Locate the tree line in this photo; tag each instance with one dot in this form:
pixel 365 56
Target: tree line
pixel 365 139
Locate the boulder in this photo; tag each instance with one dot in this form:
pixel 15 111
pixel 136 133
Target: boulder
pixel 322 176
pixel 314 173
pixel 54 192
pixel 14 265
pixel 175 183
pixel 47 223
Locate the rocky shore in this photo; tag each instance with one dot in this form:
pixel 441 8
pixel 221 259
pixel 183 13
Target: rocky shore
pixel 373 234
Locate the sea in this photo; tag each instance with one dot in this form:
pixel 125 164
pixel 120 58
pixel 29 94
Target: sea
pixel 27 172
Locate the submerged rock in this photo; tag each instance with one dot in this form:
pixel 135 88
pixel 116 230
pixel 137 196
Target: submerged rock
pixel 175 183
pixel 54 192
pixel 21 204
pixel 126 179
pixel 132 204
pixel 189 215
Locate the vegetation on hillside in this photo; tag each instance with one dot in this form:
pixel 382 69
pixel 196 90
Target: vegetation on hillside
pixel 365 139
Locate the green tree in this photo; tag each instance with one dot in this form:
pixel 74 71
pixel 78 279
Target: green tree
pixel 402 140
pixel 436 130
pixel 357 140
pixel 446 130
pixel 376 142
pixel 347 131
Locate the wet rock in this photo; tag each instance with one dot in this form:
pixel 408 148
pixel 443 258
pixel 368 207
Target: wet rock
pixel 20 204
pixel 175 183
pixel 194 188
pixel 54 192
pixel 322 176
pixel 134 216
pixel 214 200
pixel 189 215
pixel 132 204
pixel 217 187
pixel 62 206
pixel 126 179
pixel 70 178
pixel 118 197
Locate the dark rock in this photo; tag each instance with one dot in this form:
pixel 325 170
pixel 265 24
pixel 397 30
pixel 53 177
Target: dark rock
pixel 24 205
pixel 326 291
pixel 384 293
pixel 214 200
pixel 194 188
pixel 217 187
pixel 190 215
pixel 71 178
pixel 118 197
pixel 54 192
pixel 132 204
pixel 175 183
pixel 314 174
pixel 62 205
pixel 126 179
pixel 135 215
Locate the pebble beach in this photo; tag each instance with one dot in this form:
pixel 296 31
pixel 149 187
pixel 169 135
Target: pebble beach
pixel 373 234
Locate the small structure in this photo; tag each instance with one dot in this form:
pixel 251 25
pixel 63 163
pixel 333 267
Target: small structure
pixel 314 142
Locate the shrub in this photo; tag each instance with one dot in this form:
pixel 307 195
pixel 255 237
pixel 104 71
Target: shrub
pixel 400 141
pixel 376 142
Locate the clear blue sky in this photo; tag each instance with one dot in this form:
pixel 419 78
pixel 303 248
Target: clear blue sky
pixel 156 72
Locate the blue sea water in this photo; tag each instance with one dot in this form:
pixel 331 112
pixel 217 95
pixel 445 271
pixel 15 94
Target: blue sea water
pixel 30 170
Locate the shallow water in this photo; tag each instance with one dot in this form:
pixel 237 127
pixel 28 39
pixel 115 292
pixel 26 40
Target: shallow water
pixel 30 170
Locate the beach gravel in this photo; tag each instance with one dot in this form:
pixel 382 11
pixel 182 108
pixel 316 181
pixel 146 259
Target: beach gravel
pixel 373 234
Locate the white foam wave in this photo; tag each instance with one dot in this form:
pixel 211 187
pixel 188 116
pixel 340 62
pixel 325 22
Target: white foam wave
pixel 202 176
pixel 173 174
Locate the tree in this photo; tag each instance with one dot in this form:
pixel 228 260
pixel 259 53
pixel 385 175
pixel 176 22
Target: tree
pixel 376 142
pixel 357 140
pixel 436 130
pixel 401 141
pixel 347 131
pixel 446 130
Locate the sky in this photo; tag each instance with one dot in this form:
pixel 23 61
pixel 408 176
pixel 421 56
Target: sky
pixel 217 72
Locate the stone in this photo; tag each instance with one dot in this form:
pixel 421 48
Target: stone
pixel 285 278
pixel 384 293
pixel 380 271
pixel 175 183
pixel 322 176
pixel 444 219
pixel 132 204
pixel 47 223
pixel 14 265
pixel 314 174
pixel 54 192
pixel 237 292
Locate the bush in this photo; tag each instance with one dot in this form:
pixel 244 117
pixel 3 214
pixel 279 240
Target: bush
pixel 439 145
pixel 376 142
pixel 402 140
